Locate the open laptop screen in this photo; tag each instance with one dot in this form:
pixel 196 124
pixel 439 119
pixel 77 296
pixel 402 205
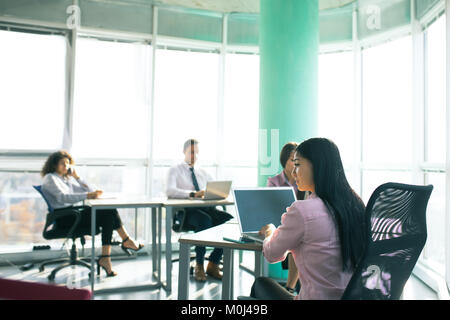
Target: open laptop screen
pixel 260 206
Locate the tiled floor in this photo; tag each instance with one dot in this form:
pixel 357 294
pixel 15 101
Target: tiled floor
pixel 138 271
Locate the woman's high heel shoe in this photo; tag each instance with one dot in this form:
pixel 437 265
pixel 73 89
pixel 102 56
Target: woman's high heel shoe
pixel 127 250
pixel 110 274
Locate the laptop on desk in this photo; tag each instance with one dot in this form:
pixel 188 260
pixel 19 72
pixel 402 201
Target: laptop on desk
pixel 217 190
pixel 258 207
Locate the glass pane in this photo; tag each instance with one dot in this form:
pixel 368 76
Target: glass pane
pixel 22 212
pixel 436 92
pixel 111 99
pixel 373 179
pixel 241 108
pixel 116 180
pixel 120 181
pixel 32 86
pixel 435 248
pixel 336 104
pixel 186 97
pixel 387 102
pixel 241 177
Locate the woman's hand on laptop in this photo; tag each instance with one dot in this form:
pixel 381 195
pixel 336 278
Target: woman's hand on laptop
pixel 267 230
pixel 95 194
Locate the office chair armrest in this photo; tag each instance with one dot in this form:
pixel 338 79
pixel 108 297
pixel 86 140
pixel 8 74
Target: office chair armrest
pixel 52 217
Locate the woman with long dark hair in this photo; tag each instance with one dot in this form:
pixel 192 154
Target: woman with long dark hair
pixel 286 179
pixel 63 188
pixel 325 233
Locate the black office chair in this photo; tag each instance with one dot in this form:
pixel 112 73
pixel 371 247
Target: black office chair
pixel 53 231
pixel 396 216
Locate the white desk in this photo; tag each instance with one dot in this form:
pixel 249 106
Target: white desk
pixel 213 237
pixel 130 202
pixel 170 205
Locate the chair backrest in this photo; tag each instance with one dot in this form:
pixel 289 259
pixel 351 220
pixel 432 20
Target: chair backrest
pixel 39 189
pixel 395 217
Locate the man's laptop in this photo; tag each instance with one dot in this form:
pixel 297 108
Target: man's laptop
pixel 258 207
pixel 217 190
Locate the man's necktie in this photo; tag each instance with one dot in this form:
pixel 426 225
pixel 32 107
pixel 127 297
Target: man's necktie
pixel 194 179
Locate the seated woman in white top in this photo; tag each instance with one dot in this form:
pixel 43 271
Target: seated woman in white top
pixel 63 188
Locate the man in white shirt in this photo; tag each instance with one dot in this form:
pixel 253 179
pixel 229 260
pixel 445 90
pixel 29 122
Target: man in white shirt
pixel 185 181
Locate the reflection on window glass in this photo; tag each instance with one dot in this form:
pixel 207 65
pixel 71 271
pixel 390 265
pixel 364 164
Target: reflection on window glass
pixel 241 108
pixel 375 178
pixel 32 86
pixel 336 106
pixel 434 249
pixel 241 177
pixel 111 99
pixel 186 101
pixel 436 91
pixel 387 102
pixel 127 181
pixel 22 210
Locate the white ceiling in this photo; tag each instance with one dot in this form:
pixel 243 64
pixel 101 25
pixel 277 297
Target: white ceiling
pixel 250 6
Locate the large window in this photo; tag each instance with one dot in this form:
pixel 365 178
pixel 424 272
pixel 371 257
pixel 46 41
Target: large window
pixel 186 102
pixel 387 103
pixel 32 86
pixel 112 84
pixel 435 111
pixel 435 54
pixel 241 108
pixel 22 212
pixel 387 114
pixel 337 118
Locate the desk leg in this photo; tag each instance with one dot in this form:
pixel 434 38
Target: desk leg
pixel 159 224
pixel 258 264
pixel 169 249
pixel 183 273
pixel 93 213
pixel 136 223
pixel 154 246
pixel 227 281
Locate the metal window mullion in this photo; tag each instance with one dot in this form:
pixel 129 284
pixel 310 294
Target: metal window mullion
pixel 419 91
pixel 447 176
pixel 70 90
pixel 151 106
pixel 221 98
pixel 358 102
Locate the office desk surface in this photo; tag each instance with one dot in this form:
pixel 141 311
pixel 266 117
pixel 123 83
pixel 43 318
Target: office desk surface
pixel 145 201
pixel 213 237
pixel 196 203
pixel 125 201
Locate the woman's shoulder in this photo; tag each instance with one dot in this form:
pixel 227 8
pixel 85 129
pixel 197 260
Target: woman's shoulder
pixel 275 180
pixel 49 176
pixel 311 207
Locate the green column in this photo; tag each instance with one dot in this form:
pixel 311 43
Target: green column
pixel 289 48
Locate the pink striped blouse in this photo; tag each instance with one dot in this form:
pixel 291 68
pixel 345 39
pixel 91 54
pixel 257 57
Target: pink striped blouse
pixel 308 231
